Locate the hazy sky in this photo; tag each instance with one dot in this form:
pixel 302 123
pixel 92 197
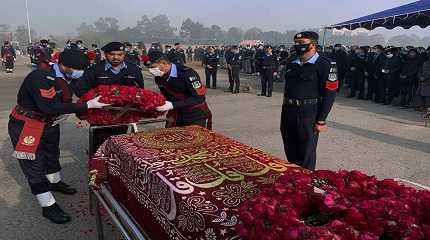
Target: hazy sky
pixel 60 16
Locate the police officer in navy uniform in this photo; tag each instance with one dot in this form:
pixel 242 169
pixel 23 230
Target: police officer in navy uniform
pixel 235 59
pixel 113 70
pixel 310 90
pixel 132 55
pixel 184 92
pixel 211 62
pixel 269 68
pixel 34 131
pixel 80 46
pixel 177 55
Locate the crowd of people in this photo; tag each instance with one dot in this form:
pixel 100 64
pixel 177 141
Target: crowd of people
pixel 380 74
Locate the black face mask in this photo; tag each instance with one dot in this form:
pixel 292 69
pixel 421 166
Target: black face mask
pixel 301 49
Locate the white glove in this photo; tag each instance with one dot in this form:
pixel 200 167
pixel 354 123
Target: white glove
pixel 166 107
pixel 60 119
pixel 94 103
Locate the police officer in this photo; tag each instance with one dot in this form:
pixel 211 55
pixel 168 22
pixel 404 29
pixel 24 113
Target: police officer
pixel 154 53
pixel 112 70
pixel 184 92
pixel 8 56
pixel 132 55
pixel 234 62
pixel 390 75
pixel 376 71
pixel 211 62
pixel 268 70
pixel 409 77
pixel 80 46
pixel 357 68
pixel 177 55
pixel 227 55
pixel 34 131
pixel 341 59
pixel 309 94
pixel 189 54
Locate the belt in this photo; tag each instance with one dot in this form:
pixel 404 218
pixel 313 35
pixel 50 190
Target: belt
pixel 300 102
pixel 33 115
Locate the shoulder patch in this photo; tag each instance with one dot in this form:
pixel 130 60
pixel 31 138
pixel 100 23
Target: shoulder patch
pixel 196 84
pixel 48 93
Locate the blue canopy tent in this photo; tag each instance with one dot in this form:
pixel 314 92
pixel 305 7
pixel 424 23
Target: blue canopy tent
pixel 406 16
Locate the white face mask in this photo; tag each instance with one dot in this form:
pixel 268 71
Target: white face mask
pixel 156 72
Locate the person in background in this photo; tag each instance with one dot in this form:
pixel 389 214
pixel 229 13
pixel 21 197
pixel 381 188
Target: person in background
pixel 357 69
pixel 409 77
pixel 8 56
pixel 211 63
pixel 269 67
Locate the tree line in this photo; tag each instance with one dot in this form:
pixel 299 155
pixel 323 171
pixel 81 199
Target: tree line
pixel 159 29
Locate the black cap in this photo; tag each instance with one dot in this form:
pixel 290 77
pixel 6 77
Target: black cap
pixel 79 41
pixel 307 35
pixel 74 59
pixel 176 44
pixel 113 46
pixel 43 41
pixel 269 46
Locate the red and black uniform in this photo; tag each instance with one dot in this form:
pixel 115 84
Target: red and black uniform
pixel 8 55
pixel 182 87
pixel 42 98
pixel 309 94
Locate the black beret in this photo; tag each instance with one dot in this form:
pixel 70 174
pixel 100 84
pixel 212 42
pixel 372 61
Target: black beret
pixel 74 59
pixel 307 34
pixel 113 46
pixel 176 44
pixel 44 41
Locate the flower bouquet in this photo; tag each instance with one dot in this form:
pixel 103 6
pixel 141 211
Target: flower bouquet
pixel 343 205
pixel 129 104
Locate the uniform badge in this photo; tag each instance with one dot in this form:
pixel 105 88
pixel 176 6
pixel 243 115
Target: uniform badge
pixel 332 77
pixel 28 140
pixel 48 93
pixel 50 78
pixel 196 84
pixel 299 35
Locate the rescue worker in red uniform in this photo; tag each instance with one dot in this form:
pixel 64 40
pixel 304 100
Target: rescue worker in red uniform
pixel 43 98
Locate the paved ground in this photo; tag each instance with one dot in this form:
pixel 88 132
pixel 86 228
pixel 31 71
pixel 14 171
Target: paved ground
pixel 383 141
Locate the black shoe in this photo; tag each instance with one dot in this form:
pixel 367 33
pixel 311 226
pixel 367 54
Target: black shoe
pixel 236 91
pixel 269 95
pixel 261 95
pixel 213 87
pixel 63 188
pixel 56 214
pixel 228 90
